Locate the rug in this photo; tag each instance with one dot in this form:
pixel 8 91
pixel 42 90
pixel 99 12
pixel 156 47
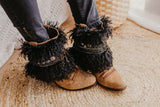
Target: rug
pixel 136 55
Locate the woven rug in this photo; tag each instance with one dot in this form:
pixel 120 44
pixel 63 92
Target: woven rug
pixel 136 56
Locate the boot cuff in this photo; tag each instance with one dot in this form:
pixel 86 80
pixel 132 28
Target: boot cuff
pixel 90 48
pixel 48 61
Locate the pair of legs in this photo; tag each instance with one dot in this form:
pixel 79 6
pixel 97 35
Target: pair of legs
pixel 49 61
pixel 25 15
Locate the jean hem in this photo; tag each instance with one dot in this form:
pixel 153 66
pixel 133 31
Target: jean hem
pixel 94 23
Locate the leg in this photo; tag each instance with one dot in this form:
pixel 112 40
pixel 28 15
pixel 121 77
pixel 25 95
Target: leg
pixel 90 48
pixel 85 12
pixel 49 61
pixel 25 15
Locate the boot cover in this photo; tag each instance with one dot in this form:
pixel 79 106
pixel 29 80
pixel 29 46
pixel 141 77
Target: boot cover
pixel 48 60
pixel 90 48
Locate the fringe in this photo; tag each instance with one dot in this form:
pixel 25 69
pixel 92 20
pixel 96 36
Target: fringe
pixel 42 53
pixel 93 39
pixel 56 72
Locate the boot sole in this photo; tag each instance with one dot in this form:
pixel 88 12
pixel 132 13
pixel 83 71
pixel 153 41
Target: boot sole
pixel 112 89
pixel 77 89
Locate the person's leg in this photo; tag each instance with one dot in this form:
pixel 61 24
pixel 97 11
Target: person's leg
pixel 49 61
pixel 85 12
pixel 90 48
pixel 25 16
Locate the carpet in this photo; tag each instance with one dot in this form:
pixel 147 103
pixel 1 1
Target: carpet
pixel 136 55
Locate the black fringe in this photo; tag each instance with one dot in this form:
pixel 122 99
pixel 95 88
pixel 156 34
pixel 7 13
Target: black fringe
pixel 42 53
pixel 82 34
pixel 56 72
pixel 93 62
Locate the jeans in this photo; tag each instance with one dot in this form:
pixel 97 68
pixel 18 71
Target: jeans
pixel 25 16
pixel 85 11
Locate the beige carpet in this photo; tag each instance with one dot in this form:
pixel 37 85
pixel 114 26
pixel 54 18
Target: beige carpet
pixel 136 54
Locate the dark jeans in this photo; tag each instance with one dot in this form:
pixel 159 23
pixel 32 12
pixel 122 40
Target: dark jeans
pixel 85 11
pixel 25 16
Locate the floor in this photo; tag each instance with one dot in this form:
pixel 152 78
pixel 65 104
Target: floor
pixel 136 55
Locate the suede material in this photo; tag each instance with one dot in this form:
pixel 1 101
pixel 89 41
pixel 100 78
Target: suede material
pixel 77 80
pixel 111 79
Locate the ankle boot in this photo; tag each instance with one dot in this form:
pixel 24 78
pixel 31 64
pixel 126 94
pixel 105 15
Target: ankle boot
pixel 49 61
pixel 77 80
pixel 111 79
pixel 91 52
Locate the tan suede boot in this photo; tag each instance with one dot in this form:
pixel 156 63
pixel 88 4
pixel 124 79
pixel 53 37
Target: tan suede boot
pixel 111 79
pixel 91 52
pixel 77 80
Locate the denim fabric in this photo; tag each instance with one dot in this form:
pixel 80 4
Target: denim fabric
pixel 85 11
pixel 25 14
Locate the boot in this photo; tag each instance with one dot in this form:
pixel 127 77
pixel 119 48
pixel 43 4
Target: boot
pixel 92 53
pixel 44 46
pixel 111 79
pixel 49 61
pixel 77 80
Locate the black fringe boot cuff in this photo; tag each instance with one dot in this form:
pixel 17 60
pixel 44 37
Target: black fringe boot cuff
pixel 48 61
pixel 90 48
